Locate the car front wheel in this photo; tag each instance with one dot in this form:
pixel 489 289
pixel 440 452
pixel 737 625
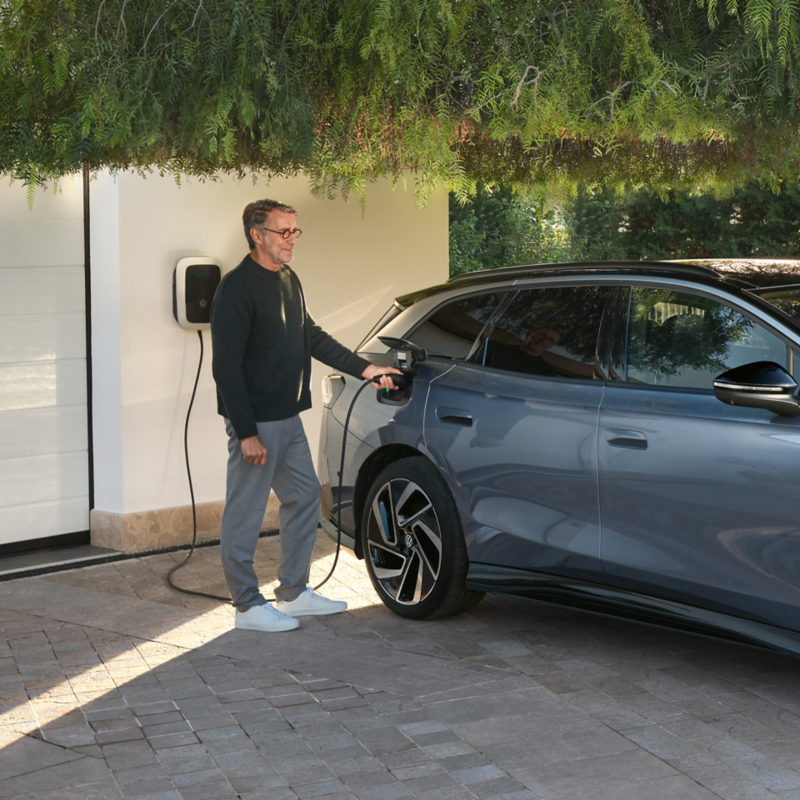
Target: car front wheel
pixel 413 544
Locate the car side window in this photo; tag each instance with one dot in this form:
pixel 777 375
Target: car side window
pixel 452 330
pixel 551 332
pixel 685 340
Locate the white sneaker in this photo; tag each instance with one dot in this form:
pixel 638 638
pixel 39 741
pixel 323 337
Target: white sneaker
pixel 265 618
pixel 309 604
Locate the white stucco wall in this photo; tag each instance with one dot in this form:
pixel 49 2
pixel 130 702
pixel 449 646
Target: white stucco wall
pixel 352 265
pixel 109 476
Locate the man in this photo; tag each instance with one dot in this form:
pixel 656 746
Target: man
pixel 527 357
pixel 263 339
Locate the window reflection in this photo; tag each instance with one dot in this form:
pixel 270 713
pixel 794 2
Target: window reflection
pixel 787 299
pixel 452 330
pixel 686 340
pixel 551 332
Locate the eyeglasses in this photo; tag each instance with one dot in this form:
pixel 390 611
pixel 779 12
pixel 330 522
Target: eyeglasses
pixel 285 234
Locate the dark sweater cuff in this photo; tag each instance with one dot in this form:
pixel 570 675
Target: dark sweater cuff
pixel 244 429
pixel 355 365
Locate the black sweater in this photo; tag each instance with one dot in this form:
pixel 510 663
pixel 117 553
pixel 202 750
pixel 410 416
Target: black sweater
pixel 263 339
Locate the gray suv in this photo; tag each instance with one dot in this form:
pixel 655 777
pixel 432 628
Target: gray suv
pixel 618 437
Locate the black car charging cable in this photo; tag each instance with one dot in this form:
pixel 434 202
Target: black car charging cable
pixel 339 490
pixel 194 509
pixel 191 493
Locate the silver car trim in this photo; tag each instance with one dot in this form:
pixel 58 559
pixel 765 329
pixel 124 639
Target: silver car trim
pixel 749 387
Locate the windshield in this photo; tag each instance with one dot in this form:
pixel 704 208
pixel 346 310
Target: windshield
pixel 786 298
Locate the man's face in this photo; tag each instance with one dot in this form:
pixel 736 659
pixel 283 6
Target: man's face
pixel 541 339
pixel 271 249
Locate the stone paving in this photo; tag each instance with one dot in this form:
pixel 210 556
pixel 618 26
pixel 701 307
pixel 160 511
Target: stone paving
pixel 112 685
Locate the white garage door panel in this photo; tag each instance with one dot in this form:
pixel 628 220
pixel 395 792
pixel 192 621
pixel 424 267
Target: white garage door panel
pixel 44 472
pixel 42 337
pixel 46 290
pixel 33 244
pixel 38 385
pixel 40 479
pixel 19 523
pixel 38 431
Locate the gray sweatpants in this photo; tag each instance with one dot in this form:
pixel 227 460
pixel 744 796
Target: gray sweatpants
pixel 290 472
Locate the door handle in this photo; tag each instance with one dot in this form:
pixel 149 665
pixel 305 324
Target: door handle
pixel 457 416
pixel 617 437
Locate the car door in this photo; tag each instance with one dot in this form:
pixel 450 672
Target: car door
pixel 448 334
pixel 514 431
pixel 699 500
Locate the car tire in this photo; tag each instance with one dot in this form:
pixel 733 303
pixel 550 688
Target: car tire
pixel 413 544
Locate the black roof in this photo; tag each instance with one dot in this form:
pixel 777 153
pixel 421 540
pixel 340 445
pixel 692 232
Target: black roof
pixel 754 273
pixel 749 274
pixel 583 267
pixel 757 273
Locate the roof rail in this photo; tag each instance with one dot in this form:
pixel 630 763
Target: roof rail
pixel 583 266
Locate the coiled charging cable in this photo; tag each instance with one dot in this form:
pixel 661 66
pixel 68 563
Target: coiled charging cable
pixel 194 510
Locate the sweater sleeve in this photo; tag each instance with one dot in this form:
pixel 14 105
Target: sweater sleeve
pixel 327 350
pixel 230 330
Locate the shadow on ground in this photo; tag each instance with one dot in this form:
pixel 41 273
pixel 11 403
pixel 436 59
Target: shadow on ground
pixel 112 685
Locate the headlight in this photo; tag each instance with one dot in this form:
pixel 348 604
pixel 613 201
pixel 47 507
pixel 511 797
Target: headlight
pixel 332 387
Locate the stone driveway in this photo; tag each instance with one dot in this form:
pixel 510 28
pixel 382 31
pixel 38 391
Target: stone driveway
pixel 112 685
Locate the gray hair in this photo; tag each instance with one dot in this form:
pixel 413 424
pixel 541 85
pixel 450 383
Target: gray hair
pixel 255 215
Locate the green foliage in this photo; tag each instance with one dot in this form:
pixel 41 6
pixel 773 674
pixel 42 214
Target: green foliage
pixel 595 219
pixel 497 228
pixel 603 224
pixel 755 221
pixel 667 93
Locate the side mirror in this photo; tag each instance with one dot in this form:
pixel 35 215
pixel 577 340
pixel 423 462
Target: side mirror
pixel 762 384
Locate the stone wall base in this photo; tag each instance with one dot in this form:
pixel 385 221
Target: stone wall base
pixel 166 527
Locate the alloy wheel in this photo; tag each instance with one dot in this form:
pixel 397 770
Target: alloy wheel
pixel 404 540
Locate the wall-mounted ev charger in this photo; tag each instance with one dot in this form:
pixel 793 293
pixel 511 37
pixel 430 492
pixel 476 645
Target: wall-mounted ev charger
pixel 194 282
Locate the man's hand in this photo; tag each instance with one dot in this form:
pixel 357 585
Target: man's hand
pixel 373 371
pixel 254 451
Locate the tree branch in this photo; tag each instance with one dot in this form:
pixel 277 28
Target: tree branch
pixel 168 45
pixel 674 92
pixel 612 96
pixel 122 22
pixel 289 25
pixel 143 48
pixel 99 14
pixel 521 84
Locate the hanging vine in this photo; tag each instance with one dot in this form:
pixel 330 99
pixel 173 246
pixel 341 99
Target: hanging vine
pixel 659 92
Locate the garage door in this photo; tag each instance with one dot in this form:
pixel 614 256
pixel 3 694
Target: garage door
pixel 44 472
